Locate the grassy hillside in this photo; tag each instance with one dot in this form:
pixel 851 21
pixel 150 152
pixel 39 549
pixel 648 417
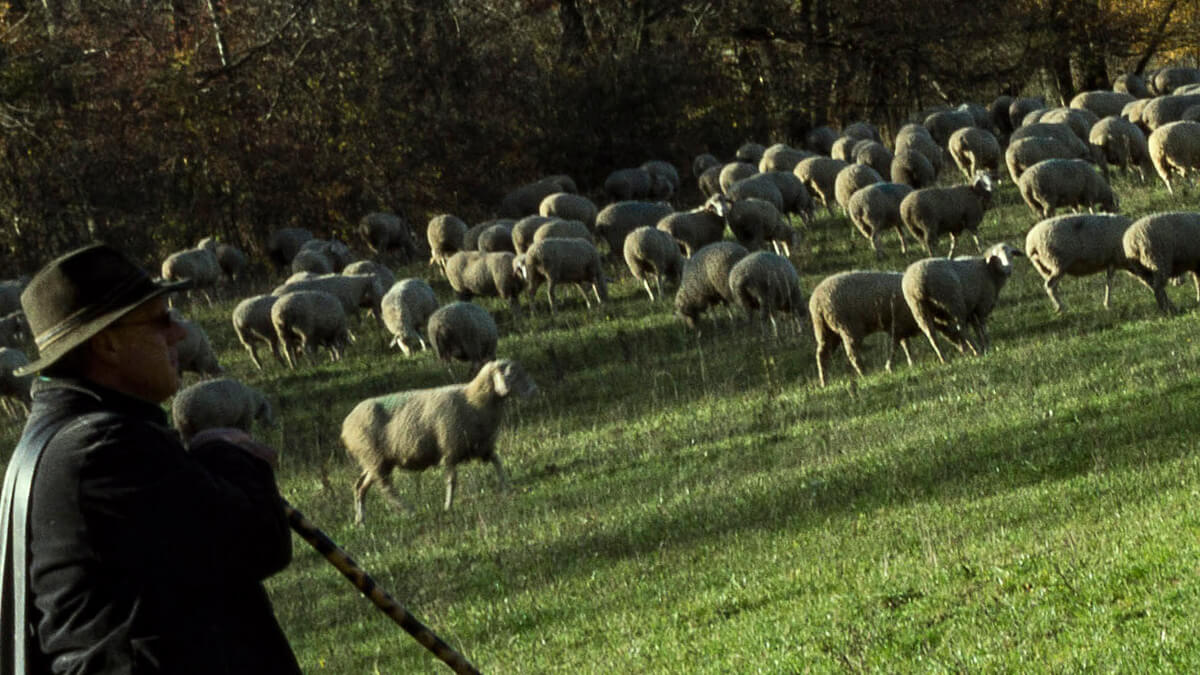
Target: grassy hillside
pixel 698 503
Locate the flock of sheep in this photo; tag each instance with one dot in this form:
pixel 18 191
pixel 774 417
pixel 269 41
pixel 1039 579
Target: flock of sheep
pixel 549 233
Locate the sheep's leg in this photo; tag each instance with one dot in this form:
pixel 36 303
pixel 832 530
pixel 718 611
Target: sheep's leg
pixel 360 492
pixel 985 342
pixel 1051 285
pixel 953 243
pixel 1196 281
pixel 550 294
pixel 851 346
pixel 583 293
pixel 1159 285
pixel 253 355
pixel 500 475
pixel 645 284
pixel 1108 279
pixel 907 353
pixel 824 349
pixel 978 246
pixel 451 481
pixel 657 284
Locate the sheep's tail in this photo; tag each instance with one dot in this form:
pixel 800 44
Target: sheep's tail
pixel 363 582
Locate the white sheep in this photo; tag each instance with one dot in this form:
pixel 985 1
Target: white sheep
pixel 913 168
pixel 1021 107
pixel 820 140
pixel 308 319
pixel 525 199
pixel 231 259
pixel 385 232
pixel 796 198
pixel 944 123
pixel 1122 143
pixel 735 171
pixel 651 252
pixel 198 265
pixel 698 227
pixel 750 152
pixel 780 157
pixel 948 295
pixel 336 252
pixel 569 206
pixel 931 212
pixel 252 323
pixel 1163 110
pixel 383 274
pixel 1161 246
pixel 557 261
pixel 617 220
pixel 195 352
pixel 1078 245
pixel 1132 83
pixel 283 244
pixel 819 175
pixel 975 150
pixel 1102 103
pixel 445 233
pixel 464 332
pixel 766 283
pixel 876 208
pixel 419 428
pixel 629 184
pixel 916 138
pixel 354 291
pixel 758 186
pixel 703 162
pixel 496 239
pixel 1025 152
pixel 1175 147
pixel 847 307
pixel 14 390
pixel 851 179
pixel 406 309
pixel 474 273
pixel 1052 183
pixel 223 402
pixel 663 173
pixel 312 261
pixel 705 280
pixel 873 154
pixel 524 229
pixel 755 222
pixel 563 229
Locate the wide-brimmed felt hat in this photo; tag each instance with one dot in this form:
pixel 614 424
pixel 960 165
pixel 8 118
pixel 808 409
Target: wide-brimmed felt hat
pixel 81 293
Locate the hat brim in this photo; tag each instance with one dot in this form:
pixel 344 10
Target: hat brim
pixel 89 329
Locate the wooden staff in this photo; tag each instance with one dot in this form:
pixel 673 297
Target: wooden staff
pixel 363 582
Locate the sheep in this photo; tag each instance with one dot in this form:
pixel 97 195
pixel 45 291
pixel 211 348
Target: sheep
pixel 913 169
pixel 999 114
pixel 525 199
pixel 283 244
pixel 383 273
pixel 223 402
pixel 1025 152
pixel 1132 83
pixel 1167 80
pixel 1021 107
pixel 1102 103
pixel 930 212
pixel 253 325
pixel 524 229
pixel 617 220
pixel 1079 120
pixel 734 172
pixel 562 260
pixel 916 138
pixel 767 283
pixel 1077 245
pixel 14 390
pixel 795 196
pixel 1133 112
pixel 495 239
pixel 755 222
pixel 705 280
pixel 975 150
pixel 758 186
pixel 876 208
pixel 569 207
pixel 633 184
pixel 230 259
pixel 464 332
pixel 981 115
pixel 307 319
pixel 652 252
pixel 386 232
pixel 474 273
pixel 1162 246
pixel 1175 147
pixel 944 123
pixel 336 252
pixel 313 262
pixel 950 294
pixel 665 175
pixel 406 308
pixel 353 291
pixel 781 157
pixel 852 178
pixel 416 429
pixel 1166 109
pixel 820 140
pixel 842 148
pixel 709 182
pixel 750 152
pixel 14 329
pixel 195 352
pixel 1052 183
pixel 703 162
pixel 563 229
pixel 1122 143
pixel 444 233
pixel 698 227
pixel 873 154
pixel 819 175
pixel 847 307
pixel 197 265
pixel 863 131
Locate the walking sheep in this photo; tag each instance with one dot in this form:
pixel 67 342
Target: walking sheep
pixel 766 283
pixel 557 261
pixel 617 220
pixel 306 320
pixel 847 307
pixel 387 232
pixel 464 332
pixel 496 239
pixel 569 207
pixel 930 212
pixel 1161 246
pixel 1025 152
pixel 1052 183
pixel 1102 103
pixel 419 428
pixel 1175 147
pixel 524 200
pixel 230 259
pixel 948 295
pixel 1122 143
pixel 1077 245
pixel 223 402
pixel 975 150
pixel 563 229
pixel 474 273
pixel 705 280
pixel 781 157
pixel 198 265
pixel 524 229
pixel 353 291
pixel 253 325
pixel 406 309
pixel 876 208
pixel 851 179
pixel 913 169
pixel 735 171
pixel 698 227
pixel 755 222
pixel 819 175
pixel 650 252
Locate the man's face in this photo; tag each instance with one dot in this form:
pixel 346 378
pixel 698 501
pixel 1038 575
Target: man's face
pixel 146 339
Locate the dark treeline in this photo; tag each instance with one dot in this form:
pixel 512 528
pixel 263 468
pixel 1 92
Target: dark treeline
pixel 152 124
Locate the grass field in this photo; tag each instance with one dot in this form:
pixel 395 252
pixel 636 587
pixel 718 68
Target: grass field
pixel 686 503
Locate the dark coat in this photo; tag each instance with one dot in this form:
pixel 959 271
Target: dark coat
pixel 145 557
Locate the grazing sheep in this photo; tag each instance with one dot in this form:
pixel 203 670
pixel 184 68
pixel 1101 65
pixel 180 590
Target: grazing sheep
pixel 950 294
pixel 312 261
pixel 766 283
pixel 338 252
pixel 819 175
pixel 524 229
pixel 913 169
pixel 709 182
pixel 755 222
pixel 705 280
pixel 698 227
pixel 916 138
pixel 759 186
pixel 406 309
pixel 563 229
pixel 568 207
pixel 651 252
pixel 223 402
pixel 617 220
pixel 1080 120
pixel 1021 107
pixel 353 291
pixel 464 332
pixel 195 352
pixel 285 243
pixel 795 196
pixel 851 179
pixel 1132 83
pixel 385 232
pixel 931 212
pixel 383 274
pixel 981 115
pixel 417 429
pixel 1077 245
pixel 1122 143
pixel 253 325
pixel 842 148
pixel 197 265
pixel 14 390
pixel 975 150
pixel 733 172
pixel 1060 130
pixel 873 154
pixel 474 273
pixel 445 234
pixel 1102 103
pixel 1161 246
pixel 820 140
pixel 230 259
pixel 664 175
pixel 1175 147
pixel 1052 183
pixel 781 157
pixel 307 319
pixel 14 328
pixel 847 307
pixel 559 261
pixel 524 200
pixel 1025 152
pixel 863 131
pixel 702 163
pixel 1169 79
pixel 496 239
pixel 634 184
pixel 999 114
pixel 750 152
pixel 943 124
pixel 876 208
pixel 1166 109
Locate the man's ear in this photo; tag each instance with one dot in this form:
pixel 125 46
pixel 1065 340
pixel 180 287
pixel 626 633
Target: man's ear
pixel 104 347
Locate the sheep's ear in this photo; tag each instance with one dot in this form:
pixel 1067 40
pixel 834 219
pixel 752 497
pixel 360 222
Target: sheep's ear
pixel 499 382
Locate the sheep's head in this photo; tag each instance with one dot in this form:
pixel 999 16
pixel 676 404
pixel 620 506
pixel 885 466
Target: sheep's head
pixel 718 204
pixel 1000 257
pixel 508 377
pixel 520 267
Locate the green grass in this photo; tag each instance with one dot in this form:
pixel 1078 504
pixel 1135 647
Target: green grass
pixel 687 503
